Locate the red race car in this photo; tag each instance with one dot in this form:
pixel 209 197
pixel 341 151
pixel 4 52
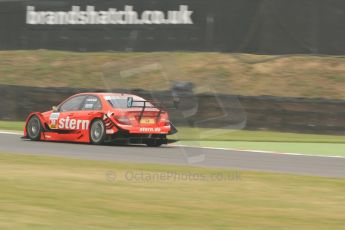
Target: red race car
pixel 102 117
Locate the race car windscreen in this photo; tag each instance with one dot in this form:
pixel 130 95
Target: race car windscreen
pixel 123 102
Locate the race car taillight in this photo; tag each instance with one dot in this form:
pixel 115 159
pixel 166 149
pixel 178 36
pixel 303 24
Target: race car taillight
pixel 123 120
pixel 164 119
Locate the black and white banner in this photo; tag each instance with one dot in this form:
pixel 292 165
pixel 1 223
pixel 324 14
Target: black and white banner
pixel 250 26
pixel 127 16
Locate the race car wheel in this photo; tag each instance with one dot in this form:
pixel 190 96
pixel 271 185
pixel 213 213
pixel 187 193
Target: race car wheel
pixel 153 143
pixel 97 132
pixel 34 128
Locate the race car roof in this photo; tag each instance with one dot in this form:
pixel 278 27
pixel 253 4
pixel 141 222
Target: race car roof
pixel 109 94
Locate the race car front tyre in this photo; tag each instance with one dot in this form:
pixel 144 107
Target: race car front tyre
pixel 34 128
pixel 97 132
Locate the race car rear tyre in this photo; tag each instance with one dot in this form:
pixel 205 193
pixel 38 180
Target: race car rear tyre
pixel 153 143
pixel 34 128
pixel 97 132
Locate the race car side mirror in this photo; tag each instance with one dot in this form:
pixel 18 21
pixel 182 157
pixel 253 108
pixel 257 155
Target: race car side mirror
pixel 55 109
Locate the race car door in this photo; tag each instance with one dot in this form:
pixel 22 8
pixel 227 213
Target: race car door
pixel 70 124
pixel 90 108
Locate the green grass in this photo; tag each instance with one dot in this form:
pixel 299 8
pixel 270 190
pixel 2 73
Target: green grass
pixel 59 193
pixel 311 144
pixel 209 134
pixel 12 125
pixel 242 74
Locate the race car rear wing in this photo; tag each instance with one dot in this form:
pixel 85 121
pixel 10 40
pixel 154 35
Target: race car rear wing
pixel 130 103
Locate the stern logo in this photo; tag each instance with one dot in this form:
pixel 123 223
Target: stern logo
pixel 67 123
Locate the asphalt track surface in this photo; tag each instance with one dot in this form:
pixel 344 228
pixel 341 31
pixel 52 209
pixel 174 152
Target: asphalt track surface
pixel 176 155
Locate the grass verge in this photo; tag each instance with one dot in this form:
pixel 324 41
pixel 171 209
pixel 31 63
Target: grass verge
pixel 209 134
pixel 58 193
pixel 241 74
pixel 12 125
pixel 311 144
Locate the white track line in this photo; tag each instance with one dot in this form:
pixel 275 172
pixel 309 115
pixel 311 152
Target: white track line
pixel 217 148
pixel 11 132
pixel 262 151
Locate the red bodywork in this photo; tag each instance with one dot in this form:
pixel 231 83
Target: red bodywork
pixel 132 123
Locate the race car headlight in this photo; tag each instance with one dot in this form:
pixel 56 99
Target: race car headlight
pixel 123 120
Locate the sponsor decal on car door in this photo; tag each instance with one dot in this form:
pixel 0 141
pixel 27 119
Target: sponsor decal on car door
pixel 71 123
pixel 53 120
pixel 68 121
